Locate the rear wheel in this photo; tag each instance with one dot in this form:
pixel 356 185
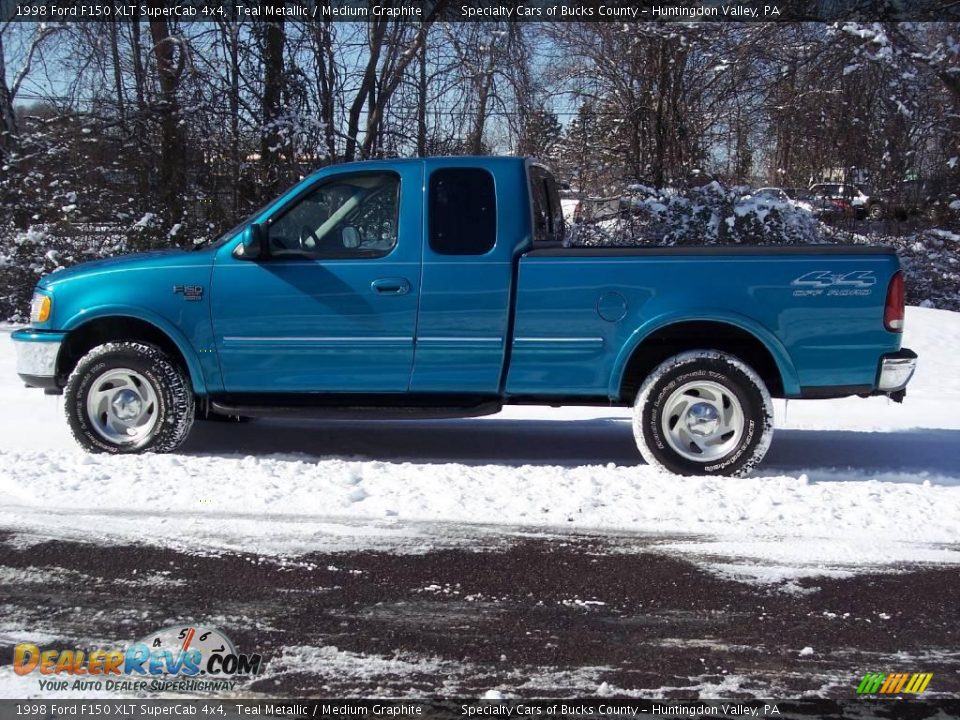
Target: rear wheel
pixel 128 397
pixel 703 412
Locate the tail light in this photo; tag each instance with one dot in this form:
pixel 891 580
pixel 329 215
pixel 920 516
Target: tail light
pixel 893 309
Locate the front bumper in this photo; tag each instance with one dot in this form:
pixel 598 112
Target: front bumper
pixel 895 372
pixel 37 354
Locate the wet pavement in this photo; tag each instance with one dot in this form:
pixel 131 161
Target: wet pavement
pixel 562 615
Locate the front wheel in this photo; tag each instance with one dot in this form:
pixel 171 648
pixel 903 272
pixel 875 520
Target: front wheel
pixel 703 412
pixel 128 397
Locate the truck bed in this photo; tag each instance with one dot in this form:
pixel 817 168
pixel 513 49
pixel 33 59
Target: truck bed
pixel 818 309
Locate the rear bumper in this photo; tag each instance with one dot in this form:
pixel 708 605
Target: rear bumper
pixel 895 371
pixel 37 354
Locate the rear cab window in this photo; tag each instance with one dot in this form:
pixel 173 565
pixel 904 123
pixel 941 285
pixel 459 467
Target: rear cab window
pixel 547 213
pixel 462 215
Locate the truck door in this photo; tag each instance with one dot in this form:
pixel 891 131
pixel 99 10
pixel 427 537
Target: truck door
pixel 467 273
pixel 333 305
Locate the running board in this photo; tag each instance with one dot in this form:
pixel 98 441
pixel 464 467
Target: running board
pixel 358 412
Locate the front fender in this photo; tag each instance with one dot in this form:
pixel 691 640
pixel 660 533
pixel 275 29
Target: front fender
pixel 781 357
pixel 176 336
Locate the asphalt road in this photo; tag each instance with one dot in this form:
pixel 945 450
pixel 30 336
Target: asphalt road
pixel 533 616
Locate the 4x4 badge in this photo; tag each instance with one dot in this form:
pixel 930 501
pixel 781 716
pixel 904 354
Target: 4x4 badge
pixel 189 292
pixel 826 278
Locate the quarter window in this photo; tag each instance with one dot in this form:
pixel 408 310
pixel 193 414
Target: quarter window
pixel 547 213
pixel 353 216
pixel 463 212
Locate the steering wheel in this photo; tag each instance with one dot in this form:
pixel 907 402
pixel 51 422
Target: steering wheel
pixel 309 242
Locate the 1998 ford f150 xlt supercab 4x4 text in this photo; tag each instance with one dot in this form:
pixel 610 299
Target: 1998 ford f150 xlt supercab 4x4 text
pixel 440 288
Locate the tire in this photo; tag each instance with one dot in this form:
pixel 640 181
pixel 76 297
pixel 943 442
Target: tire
pixel 128 397
pixel 875 212
pixel 703 412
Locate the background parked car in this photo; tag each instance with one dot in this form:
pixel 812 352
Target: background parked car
pixel 844 199
pixel 931 198
pixel 774 193
pixel 793 196
pixel 592 209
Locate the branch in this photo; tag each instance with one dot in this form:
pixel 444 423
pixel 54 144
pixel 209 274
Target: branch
pixel 43 32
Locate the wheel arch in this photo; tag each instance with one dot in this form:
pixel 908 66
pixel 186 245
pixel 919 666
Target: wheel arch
pixel 121 324
pixel 664 337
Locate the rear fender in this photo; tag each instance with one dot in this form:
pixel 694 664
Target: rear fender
pixel 788 373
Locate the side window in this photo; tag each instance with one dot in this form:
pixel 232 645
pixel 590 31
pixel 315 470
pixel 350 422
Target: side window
pixel 541 206
pixel 350 216
pixel 556 210
pixel 463 212
pixel 547 212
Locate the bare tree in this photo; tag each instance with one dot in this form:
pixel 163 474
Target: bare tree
pixel 170 53
pixel 9 89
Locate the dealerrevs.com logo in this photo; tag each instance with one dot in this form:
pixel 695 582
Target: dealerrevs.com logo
pixel 894 683
pixel 183 658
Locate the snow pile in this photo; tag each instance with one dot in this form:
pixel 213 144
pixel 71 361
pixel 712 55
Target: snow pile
pixel 711 214
pixel 885 491
pixel 931 264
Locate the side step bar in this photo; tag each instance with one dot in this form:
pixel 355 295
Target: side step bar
pixel 357 412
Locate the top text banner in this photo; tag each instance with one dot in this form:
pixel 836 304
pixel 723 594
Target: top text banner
pixel 480 10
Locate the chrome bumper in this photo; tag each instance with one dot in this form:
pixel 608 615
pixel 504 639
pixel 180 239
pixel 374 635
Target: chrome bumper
pixel 37 356
pixel 896 370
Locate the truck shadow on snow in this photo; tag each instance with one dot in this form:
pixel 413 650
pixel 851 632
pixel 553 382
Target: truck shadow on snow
pixel 571 443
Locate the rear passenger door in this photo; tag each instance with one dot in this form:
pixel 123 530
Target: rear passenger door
pixel 466 281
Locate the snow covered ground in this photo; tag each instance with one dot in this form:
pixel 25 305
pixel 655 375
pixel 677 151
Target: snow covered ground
pixel 848 484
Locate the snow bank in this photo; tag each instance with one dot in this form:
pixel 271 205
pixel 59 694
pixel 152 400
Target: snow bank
pixel 930 260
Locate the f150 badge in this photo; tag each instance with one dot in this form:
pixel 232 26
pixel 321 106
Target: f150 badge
pixel 189 292
pixel 818 282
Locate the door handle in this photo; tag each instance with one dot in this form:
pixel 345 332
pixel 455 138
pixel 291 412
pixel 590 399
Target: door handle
pixel 391 286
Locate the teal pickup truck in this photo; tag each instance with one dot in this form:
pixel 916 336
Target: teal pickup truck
pixel 441 287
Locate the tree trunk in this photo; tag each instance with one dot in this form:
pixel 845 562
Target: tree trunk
pixel 422 100
pixel 233 38
pixel 326 79
pixel 139 121
pixel 271 140
pixel 475 141
pixel 117 77
pixel 375 44
pixel 8 121
pixel 172 151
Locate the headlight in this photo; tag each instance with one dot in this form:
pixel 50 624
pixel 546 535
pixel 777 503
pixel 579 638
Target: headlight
pixel 40 308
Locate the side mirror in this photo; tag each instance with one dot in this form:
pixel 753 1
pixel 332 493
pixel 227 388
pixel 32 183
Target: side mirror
pixel 251 245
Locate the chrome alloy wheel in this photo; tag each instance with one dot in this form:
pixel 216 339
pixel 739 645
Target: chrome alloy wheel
pixel 702 421
pixel 122 406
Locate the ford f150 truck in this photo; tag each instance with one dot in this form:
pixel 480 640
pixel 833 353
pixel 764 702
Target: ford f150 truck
pixel 441 288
